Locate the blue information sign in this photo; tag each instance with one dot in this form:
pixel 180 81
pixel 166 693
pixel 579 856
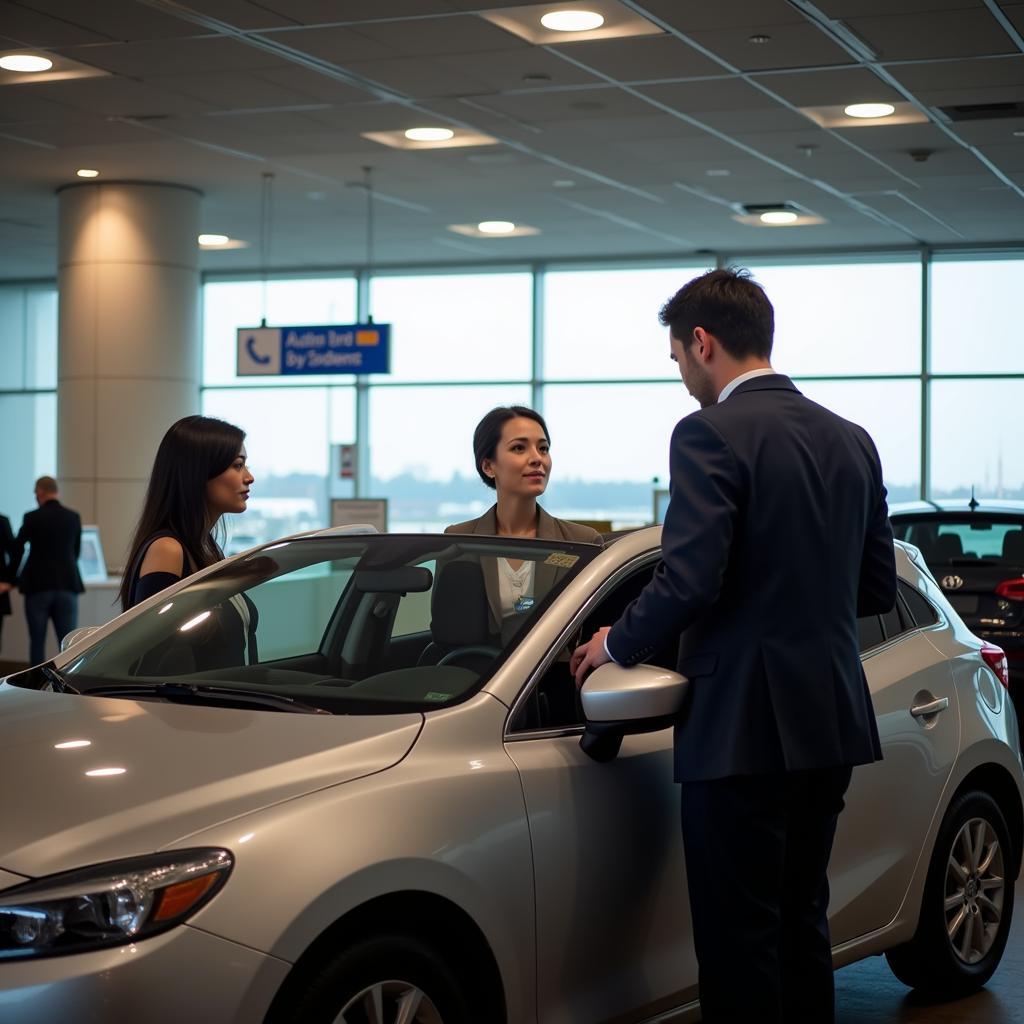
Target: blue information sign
pixel 336 348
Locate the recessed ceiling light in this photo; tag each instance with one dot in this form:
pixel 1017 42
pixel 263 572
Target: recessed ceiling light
pixel 496 227
pixel 87 172
pixel 572 21
pixel 72 744
pixel 25 62
pixel 779 217
pixel 869 110
pixel 718 172
pixel 99 773
pixel 429 134
pixel 564 183
pixel 1019 134
pixel 214 239
pixel 759 39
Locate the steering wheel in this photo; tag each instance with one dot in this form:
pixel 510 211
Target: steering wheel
pixel 459 652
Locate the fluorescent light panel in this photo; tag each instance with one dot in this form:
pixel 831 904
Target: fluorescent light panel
pixel 63 69
pixel 525 22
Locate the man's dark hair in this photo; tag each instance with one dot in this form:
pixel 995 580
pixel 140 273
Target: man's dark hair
pixel 730 305
pixel 488 434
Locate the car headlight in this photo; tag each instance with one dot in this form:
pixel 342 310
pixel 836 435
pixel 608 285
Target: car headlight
pixel 108 904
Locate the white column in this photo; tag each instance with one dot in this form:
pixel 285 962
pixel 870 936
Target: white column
pixel 128 365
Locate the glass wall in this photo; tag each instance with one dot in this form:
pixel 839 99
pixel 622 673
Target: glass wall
pixel 593 357
pixel 28 399
pixel 926 352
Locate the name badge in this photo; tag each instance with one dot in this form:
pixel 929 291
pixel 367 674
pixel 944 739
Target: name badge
pixel 523 604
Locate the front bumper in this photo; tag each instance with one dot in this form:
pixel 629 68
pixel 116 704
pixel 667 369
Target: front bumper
pixel 184 975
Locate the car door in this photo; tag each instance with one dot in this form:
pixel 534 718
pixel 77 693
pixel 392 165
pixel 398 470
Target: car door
pixel 890 804
pixel 613 924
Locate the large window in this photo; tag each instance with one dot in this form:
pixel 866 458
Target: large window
pixel 28 401
pixel 471 327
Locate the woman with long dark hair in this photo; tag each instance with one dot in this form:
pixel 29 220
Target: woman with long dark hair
pixel 199 475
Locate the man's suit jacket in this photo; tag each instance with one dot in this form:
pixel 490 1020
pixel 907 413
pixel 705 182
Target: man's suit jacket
pixel 8 567
pixel 548 528
pixel 776 538
pixel 54 536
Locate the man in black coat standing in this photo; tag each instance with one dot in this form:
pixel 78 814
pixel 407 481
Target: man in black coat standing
pixel 775 540
pixel 8 570
pixel 50 580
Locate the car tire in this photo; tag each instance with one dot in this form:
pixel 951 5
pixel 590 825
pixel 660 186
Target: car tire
pixel 967 906
pixel 390 971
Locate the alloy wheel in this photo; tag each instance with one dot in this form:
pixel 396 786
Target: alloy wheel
pixel 390 1002
pixel 975 885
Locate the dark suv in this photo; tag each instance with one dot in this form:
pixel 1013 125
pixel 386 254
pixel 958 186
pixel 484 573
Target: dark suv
pixel 975 551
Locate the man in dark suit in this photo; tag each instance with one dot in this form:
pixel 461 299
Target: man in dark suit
pixel 776 538
pixel 50 580
pixel 7 569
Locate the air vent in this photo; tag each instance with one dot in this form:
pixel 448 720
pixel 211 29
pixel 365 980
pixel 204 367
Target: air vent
pixel 983 111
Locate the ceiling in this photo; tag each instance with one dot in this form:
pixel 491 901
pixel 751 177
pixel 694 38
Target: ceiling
pixel 618 147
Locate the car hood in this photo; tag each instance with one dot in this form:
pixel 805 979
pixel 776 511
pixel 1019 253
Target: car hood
pixel 184 768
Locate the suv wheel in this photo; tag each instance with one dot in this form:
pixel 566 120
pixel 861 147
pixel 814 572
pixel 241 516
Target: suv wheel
pixel 967 906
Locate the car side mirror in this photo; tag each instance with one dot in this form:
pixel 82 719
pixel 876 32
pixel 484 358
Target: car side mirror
pixel 621 702
pixel 75 636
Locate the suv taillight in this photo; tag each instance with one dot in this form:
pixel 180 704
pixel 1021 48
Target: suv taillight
pixel 1012 590
pixel 995 658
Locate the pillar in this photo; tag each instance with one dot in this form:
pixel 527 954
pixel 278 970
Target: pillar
pixel 128 351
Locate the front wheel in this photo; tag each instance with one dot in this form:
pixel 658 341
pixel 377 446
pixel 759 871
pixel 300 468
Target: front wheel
pixel 383 980
pixel 967 905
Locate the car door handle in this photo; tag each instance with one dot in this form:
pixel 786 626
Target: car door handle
pixel 933 707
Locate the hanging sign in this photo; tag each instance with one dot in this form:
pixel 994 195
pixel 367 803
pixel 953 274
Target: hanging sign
pixel 337 348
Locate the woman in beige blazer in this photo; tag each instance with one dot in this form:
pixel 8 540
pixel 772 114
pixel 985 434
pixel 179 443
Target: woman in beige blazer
pixel 511 449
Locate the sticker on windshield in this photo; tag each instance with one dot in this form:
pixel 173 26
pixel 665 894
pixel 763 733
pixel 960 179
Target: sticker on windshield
pixel 562 561
pixel 433 695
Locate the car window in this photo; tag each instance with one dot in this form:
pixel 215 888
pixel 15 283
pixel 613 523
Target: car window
pixel 869 632
pixel 892 624
pixel 917 606
pixel 959 539
pixel 554 702
pixel 347 624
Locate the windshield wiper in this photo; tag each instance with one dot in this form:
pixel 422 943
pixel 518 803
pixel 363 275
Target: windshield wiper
pixel 195 693
pixel 57 682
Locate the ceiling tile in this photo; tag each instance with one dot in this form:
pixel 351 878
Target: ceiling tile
pixel 317 12
pixel 830 87
pixel 30 28
pixel 749 15
pixel 337 45
pixel 1015 12
pixel 986 73
pixel 699 97
pixel 419 77
pixel 645 58
pixel 232 90
pixel 789 46
pixel 245 15
pixel 501 70
pixel 941 34
pixel 861 8
pixel 312 84
pixel 548 107
pixel 117 19
pixel 177 57
pixel 123 98
pixel 461 33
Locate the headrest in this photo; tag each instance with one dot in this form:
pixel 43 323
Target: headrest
pixel 947 546
pixel 1013 547
pixel 458 606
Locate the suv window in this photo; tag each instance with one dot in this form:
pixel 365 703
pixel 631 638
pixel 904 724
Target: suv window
pixel 917 606
pixel 869 632
pixel 959 539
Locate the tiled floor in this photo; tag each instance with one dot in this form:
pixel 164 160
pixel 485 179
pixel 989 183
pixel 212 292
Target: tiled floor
pixel 868 993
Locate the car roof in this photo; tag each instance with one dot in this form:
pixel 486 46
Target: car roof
pixel 959 506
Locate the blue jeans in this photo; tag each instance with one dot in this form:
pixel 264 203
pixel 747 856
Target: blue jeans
pixel 59 605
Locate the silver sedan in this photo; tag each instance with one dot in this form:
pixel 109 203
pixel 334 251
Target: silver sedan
pixel 460 836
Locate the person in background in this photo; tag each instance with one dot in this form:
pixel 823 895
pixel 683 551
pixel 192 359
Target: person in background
pixel 512 452
pixel 8 569
pixel 199 475
pixel 50 579
pixel 775 540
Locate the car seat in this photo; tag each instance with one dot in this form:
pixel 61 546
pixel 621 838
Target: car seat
pixel 947 546
pixel 459 618
pixel 1013 547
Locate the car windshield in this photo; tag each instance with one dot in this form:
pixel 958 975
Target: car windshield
pixel 964 539
pixel 346 624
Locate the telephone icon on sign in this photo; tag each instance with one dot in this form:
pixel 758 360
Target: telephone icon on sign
pixel 250 347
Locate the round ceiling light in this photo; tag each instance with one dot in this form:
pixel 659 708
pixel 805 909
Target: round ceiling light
pixel 869 110
pixel 214 239
pixel 87 172
pixel 572 21
pixel 429 134
pixel 778 217
pixel 495 227
pixel 25 62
